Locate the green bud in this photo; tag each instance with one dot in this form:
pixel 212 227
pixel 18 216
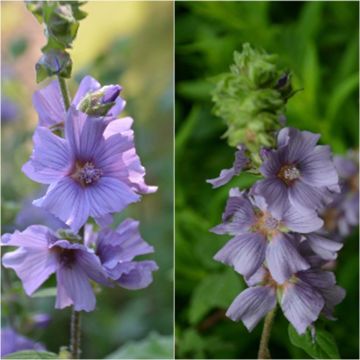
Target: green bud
pixel 65 234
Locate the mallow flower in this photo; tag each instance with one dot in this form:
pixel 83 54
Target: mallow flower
pixel 298 172
pixel 302 298
pixel 90 98
pixel 261 235
pixel 11 342
pixel 240 163
pixel 342 214
pixel 42 252
pixel 93 171
pixel 117 249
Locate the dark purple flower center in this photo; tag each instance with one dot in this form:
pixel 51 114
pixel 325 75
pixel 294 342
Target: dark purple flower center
pixel 67 257
pixel 288 174
pixel 86 173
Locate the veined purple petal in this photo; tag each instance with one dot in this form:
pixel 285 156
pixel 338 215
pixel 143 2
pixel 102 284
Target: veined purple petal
pixel 66 200
pixel 51 159
pixel 136 276
pixel 120 126
pixel 32 265
pixel 225 176
pixel 345 166
pixel 49 105
pixel 119 106
pixel 301 305
pixel 283 259
pixel 87 84
pixel 317 169
pixel 333 295
pixel 327 249
pixel 245 252
pixel 252 305
pixel 75 285
pixel 301 222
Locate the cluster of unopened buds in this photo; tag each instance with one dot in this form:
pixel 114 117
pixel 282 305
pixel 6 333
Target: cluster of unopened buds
pixel 281 241
pixel 86 155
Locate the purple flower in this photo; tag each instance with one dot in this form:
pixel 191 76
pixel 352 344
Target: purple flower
pixel 41 253
pixel 9 110
pixel 302 298
pixel 261 235
pixel 50 107
pixel 12 342
pixel 41 320
pixel 240 163
pixel 342 214
pixel 94 171
pixel 298 172
pixel 117 249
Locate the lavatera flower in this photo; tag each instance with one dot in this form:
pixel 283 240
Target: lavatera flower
pixel 93 171
pixel 302 298
pixel 260 235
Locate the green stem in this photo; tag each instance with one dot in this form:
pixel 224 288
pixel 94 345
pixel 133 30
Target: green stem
pixel 64 92
pixel 75 335
pixel 264 352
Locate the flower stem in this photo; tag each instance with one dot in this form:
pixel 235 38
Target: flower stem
pixel 75 335
pixel 64 92
pixel 264 352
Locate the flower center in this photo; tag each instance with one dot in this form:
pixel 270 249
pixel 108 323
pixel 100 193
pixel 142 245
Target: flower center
pixel 67 257
pixel 288 174
pixel 266 224
pixel 86 173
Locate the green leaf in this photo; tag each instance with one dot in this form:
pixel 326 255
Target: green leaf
pixel 215 291
pixel 155 346
pixel 323 347
pixel 48 292
pixel 32 354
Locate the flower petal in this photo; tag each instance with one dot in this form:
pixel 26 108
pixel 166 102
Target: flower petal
pixel 301 222
pixel 301 305
pixel 252 305
pixel 50 160
pixel 327 249
pixel 87 84
pixel 283 259
pixel 32 266
pixel 245 252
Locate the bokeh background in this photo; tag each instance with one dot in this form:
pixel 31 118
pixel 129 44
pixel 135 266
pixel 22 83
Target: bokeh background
pixel 118 42
pixel 319 43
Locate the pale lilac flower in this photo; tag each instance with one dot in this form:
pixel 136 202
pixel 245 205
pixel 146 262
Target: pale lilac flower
pixel 41 253
pixel 41 320
pixel 302 298
pixel 12 342
pixel 261 235
pixel 240 163
pixel 94 171
pixel 49 104
pixel 117 249
pixel 342 214
pixel 298 172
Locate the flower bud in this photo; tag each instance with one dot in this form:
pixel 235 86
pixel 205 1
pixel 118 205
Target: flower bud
pixel 99 102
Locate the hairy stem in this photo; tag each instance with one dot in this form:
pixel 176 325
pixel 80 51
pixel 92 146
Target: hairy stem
pixel 75 335
pixel 64 92
pixel 264 352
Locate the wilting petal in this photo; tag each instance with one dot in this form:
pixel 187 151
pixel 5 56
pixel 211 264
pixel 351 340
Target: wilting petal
pixel 301 222
pixel 136 276
pixel 76 286
pixel 252 305
pixel 317 169
pixel 283 259
pixel 32 266
pixel 109 195
pixel 49 105
pixel 66 200
pixel 333 295
pixel 91 265
pixel 245 253
pixel 225 176
pixel 301 305
pixel 327 249
pixel 50 160
pixel 88 84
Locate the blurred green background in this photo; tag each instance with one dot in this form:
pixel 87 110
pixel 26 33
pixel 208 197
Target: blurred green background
pixel 118 42
pixel 319 43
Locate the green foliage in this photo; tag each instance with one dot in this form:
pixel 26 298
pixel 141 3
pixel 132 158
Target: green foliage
pixel 61 22
pixel 45 292
pixel 315 41
pixel 155 346
pixel 31 354
pixel 323 346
